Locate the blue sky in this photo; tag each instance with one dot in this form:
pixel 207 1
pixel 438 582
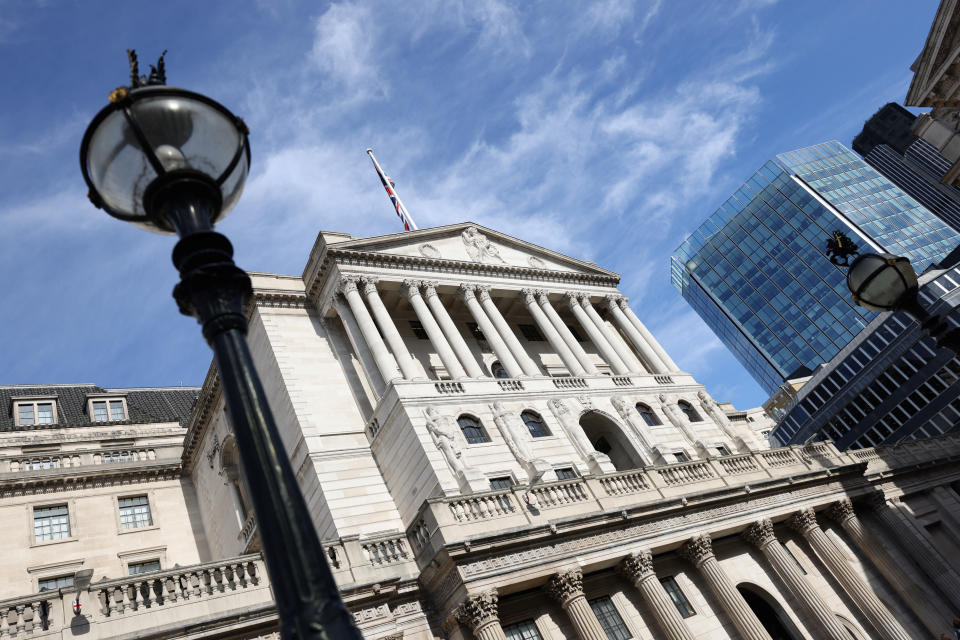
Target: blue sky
pixel 606 130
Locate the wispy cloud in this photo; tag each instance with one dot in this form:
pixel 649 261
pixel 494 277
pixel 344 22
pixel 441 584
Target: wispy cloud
pixel 343 50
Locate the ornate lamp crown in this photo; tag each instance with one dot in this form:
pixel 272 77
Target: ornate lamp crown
pixel 841 249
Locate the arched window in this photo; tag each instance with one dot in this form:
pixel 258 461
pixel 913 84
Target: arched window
pixel 230 467
pixel 688 409
pixel 648 415
pixel 498 371
pixel 472 430
pixel 535 423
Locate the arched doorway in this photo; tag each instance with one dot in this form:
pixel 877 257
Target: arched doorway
pixel 769 612
pixel 607 437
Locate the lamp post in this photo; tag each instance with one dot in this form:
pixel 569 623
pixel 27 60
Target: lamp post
pixel 174 161
pixel 885 282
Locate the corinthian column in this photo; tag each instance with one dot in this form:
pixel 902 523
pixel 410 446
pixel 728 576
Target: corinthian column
pixel 556 342
pixel 617 360
pixel 430 325
pixel 388 328
pixel 566 588
pixel 503 328
pixel 638 568
pixel 805 522
pixel 667 362
pixel 479 613
pixel 454 337
pixel 915 597
pixel 699 551
pixel 761 535
pixel 385 363
pixel 648 356
pixel 919 546
pixel 568 338
pixel 490 332
pixel 596 337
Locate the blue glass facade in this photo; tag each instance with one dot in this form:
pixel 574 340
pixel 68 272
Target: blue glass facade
pixel 756 270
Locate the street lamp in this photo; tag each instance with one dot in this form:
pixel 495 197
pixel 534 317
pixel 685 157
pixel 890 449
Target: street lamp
pixel 885 282
pixel 174 161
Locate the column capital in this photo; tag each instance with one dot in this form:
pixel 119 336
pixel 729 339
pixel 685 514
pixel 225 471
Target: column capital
pixel 697 549
pixel 622 302
pixel 877 500
pixel 529 295
pixel 347 284
pixel 478 609
pixel 803 521
pixel 412 286
pixel 369 283
pixel 429 287
pixel 483 291
pixel 613 300
pixel 841 511
pixel 468 291
pixel 542 296
pixel 574 298
pixel 637 566
pixel 760 533
pixel 565 585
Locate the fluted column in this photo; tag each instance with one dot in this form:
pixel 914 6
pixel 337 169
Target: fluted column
pixel 454 337
pixel 566 588
pixel 920 548
pixel 699 551
pixel 467 291
pixel 565 334
pixel 638 568
pixel 651 342
pixel 430 325
pixel 596 337
pixel 913 595
pixel 556 342
pixel 503 328
pixel 949 505
pixel 617 361
pixel 649 357
pixel 388 328
pixel 385 363
pixel 805 522
pixel 761 535
pixel 479 613
pixel 355 337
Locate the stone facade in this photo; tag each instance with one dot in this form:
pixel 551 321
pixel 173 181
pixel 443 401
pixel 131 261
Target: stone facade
pixel 492 445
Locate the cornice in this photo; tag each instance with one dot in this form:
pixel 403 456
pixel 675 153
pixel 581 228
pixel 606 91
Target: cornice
pixel 358 257
pixel 81 478
pixel 200 418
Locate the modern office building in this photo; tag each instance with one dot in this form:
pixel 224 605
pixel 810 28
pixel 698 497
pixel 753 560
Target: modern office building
pixel 492 446
pixel 891 384
pixel 757 272
pixel 888 144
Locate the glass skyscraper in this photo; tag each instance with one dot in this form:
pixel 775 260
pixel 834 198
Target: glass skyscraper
pixel 756 270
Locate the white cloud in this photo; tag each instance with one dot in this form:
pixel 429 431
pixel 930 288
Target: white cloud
pixel 343 50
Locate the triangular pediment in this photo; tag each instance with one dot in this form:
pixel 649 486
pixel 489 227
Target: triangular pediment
pixel 469 242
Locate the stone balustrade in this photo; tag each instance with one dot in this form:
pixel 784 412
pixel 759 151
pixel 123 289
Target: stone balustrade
pixel 50 462
pixel 31 616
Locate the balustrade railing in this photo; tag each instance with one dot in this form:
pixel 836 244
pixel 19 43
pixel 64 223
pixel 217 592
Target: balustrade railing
pixel 64 460
pixel 449 387
pixel 779 457
pixel 249 528
pixel 385 551
pixel 622 381
pixel 661 379
pixel 618 484
pixel 26 616
pixel 510 385
pixel 734 465
pixel 569 382
pixel 482 506
pixel 558 494
pixel 686 473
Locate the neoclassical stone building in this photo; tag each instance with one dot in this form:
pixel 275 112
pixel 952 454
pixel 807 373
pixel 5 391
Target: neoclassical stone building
pixel 492 446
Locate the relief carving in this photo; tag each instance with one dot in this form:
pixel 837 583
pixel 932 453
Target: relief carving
pixel 429 251
pixel 479 248
pixel 841 511
pixel 803 521
pixel 444 433
pixel 637 566
pixel 760 533
pixel 565 585
pixel 697 549
pixel 478 610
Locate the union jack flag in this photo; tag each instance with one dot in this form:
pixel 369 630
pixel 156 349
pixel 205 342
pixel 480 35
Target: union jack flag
pixel 391 189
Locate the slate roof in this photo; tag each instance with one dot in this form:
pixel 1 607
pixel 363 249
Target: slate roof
pixel 144 405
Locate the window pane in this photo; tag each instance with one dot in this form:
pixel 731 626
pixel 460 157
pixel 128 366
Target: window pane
pixel 100 411
pixel 135 512
pixel 55 583
pixel 609 618
pixel 525 630
pixel 648 416
pixel 498 371
pixel 25 413
pixel 51 523
pixel 673 590
pixel 535 424
pixel 501 483
pixel 566 473
pixel 137 568
pixel 116 410
pixel 472 430
pixel 44 413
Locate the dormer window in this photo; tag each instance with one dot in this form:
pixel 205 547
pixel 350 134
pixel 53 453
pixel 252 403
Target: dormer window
pixel 35 412
pixel 107 410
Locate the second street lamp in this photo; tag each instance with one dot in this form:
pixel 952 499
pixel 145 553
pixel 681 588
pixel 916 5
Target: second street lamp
pixel 174 161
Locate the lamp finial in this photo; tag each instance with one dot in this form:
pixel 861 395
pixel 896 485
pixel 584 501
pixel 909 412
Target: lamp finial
pixel 840 249
pixel 158 73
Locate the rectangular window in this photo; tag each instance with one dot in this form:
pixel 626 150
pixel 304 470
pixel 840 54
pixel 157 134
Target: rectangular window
pixel 530 332
pixel 525 630
pixel 474 329
pixel 117 456
pixel 108 410
pixel 609 618
pixel 679 600
pixel 418 330
pixel 51 523
pixel 148 566
pixel 680 456
pixel 723 451
pixel 566 473
pixel 135 512
pixel 503 482
pixel 31 413
pixel 51 584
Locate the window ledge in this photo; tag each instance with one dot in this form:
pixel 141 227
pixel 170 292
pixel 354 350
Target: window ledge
pixel 138 529
pixel 46 543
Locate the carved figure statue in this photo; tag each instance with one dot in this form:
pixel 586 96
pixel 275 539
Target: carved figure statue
pixel 513 432
pixel 720 418
pixel 478 247
pixel 444 434
pixel 675 416
pixel 710 406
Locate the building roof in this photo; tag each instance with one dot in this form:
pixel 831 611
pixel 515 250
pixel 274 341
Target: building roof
pixel 144 405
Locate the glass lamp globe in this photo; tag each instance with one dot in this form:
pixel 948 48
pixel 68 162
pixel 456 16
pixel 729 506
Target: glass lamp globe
pixel 152 137
pixel 881 281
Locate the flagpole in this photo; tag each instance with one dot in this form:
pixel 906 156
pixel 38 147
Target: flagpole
pixel 402 212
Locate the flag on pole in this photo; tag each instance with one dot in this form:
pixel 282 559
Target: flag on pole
pixel 402 212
